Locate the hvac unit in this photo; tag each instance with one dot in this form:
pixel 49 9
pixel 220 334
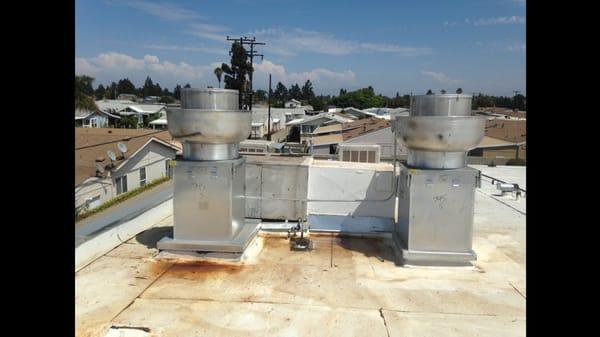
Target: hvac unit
pixel 360 153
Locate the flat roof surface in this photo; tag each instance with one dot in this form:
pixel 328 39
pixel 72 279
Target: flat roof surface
pixel 346 286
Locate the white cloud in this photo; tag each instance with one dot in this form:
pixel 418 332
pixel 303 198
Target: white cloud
pixel 516 48
pixel 289 42
pixel 212 50
pixel 319 76
pixel 440 77
pixel 114 66
pixel 164 11
pixel 500 20
pixel 209 31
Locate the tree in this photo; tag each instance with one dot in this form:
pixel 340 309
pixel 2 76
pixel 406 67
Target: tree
pixel 219 74
pixel 187 86
pixel 343 91
pixel 100 92
pixel 519 102
pixel 125 87
pixel 260 95
pixel 111 91
pixel 307 91
pixel 177 92
pixel 166 99
pixel 236 75
pixel 148 88
pixel 280 94
pixel 295 92
pixel 361 99
pixel 84 93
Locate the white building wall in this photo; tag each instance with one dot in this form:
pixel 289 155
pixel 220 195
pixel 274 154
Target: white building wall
pixel 153 158
pixel 94 187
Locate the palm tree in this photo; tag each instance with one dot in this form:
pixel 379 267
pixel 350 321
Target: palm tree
pixel 219 73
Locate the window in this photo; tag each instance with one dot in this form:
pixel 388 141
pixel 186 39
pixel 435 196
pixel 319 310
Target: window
pixel 121 183
pixel 94 122
pixel 142 176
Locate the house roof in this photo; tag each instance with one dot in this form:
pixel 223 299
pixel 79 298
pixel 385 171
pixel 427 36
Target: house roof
pixel 327 139
pixel 330 116
pixel 363 126
pixel 507 129
pixel 83 114
pixel 489 142
pixel 348 130
pixel 147 108
pixel 92 143
pixel 113 104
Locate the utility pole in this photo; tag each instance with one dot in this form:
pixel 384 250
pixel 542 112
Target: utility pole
pixel 269 104
pixel 252 42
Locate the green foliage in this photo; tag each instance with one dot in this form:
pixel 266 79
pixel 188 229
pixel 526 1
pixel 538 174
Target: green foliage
pixel 260 95
pixel 166 99
pixel 83 213
pixel 129 122
pixel 295 92
pixel 125 87
pixel 177 92
pixel 279 95
pixel 307 91
pixel 150 89
pixel 100 91
pixel 480 100
pixel 361 99
pixel 236 75
pixel 84 93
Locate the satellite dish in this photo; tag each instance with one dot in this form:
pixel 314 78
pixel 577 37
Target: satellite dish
pixel 111 155
pixel 99 168
pixel 122 147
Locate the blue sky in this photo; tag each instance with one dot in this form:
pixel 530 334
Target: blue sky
pixel 394 46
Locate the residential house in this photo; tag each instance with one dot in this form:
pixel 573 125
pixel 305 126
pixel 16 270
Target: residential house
pixel 143 112
pixel 127 97
pixel 505 139
pixel 98 178
pixel 95 119
pixel 293 103
pixel 303 128
pixel 367 131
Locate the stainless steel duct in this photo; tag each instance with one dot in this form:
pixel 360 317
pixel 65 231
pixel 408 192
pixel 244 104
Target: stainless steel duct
pixel 439 131
pixel 209 124
pixel 436 191
pixel 209 180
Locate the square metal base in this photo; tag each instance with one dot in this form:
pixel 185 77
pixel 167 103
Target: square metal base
pixel 237 245
pixel 430 258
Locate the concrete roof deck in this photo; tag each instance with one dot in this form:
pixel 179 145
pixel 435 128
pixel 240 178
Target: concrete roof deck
pixel 345 286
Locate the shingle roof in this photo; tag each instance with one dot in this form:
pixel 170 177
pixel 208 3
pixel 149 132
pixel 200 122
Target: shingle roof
pixel 507 129
pixel 91 143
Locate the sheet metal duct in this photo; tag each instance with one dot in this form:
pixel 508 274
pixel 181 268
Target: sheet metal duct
pixel 209 189
pixel 436 191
